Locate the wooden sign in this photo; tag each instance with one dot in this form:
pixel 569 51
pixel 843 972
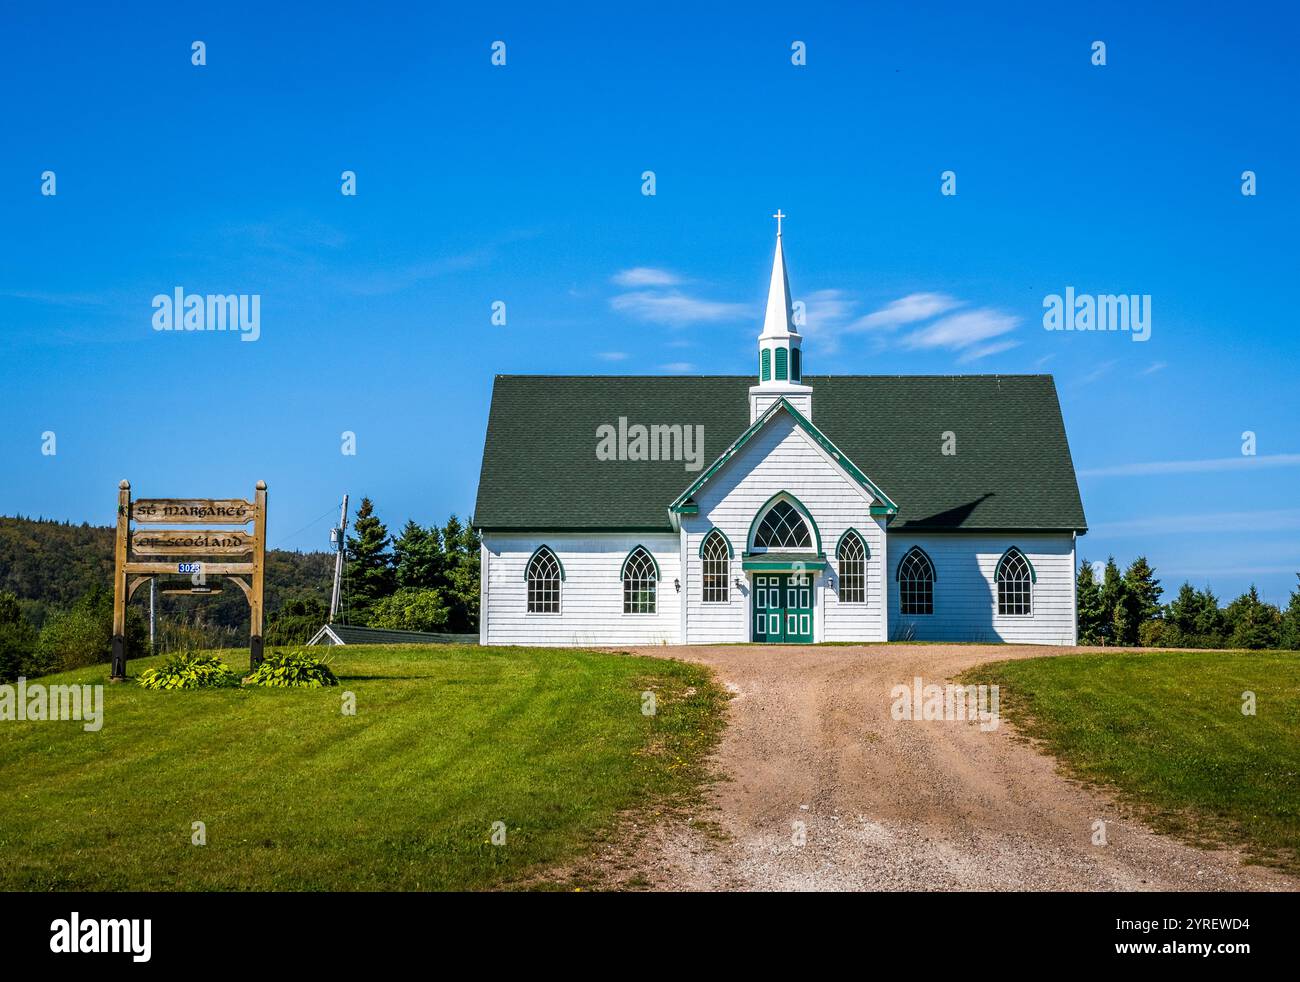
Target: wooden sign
pixel 192 511
pixel 131 547
pixel 199 542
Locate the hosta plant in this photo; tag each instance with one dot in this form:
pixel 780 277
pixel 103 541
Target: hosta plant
pixel 189 670
pixel 294 668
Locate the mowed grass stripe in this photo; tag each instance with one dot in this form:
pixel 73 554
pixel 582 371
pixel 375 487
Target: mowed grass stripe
pixel 446 741
pixel 1166 730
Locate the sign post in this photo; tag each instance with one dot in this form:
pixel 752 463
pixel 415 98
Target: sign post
pixel 138 556
pixel 117 670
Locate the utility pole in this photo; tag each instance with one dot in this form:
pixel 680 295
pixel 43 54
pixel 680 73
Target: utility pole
pixel 339 536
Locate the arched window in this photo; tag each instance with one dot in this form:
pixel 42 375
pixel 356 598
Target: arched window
pixel 852 555
pixel 640 578
pixel 781 355
pixel 1015 584
pixel 766 365
pixel 782 528
pixel 796 370
pixel 544 575
pixel 916 583
pixel 716 557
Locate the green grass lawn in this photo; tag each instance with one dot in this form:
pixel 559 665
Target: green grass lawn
pixel 1166 730
pixel 446 741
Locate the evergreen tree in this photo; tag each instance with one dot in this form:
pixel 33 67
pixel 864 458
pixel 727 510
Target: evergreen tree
pixel 1112 594
pixel 370 575
pixel 1290 634
pixel 1139 601
pixel 1181 613
pixel 418 557
pixel 1092 611
pixel 1254 623
pixel 461 577
pixel 1210 622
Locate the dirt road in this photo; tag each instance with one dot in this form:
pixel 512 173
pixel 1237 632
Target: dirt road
pixel 889 805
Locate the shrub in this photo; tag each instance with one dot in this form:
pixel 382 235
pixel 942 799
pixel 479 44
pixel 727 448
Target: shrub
pixel 83 634
pixel 18 640
pixel 190 671
pixel 1158 634
pixel 295 622
pixel 411 609
pixel 295 668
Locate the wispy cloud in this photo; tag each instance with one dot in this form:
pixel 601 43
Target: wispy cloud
pixel 965 332
pixel 56 299
pixel 1226 571
pixel 673 307
pixel 1101 370
pixel 1209 465
pixel 612 355
pixel 975 334
pixel 826 312
pixel 984 350
pixel 1274 520
pixel 1154 367
pixel 645 276
pixel 386 281
pixel 677 366
pixel 910 309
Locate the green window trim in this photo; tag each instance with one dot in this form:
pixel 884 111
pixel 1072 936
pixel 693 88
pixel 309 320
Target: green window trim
pixel 799 506
pixel 765 369
pixel 731 553
pixel 934 570
pixel 796 369
pixel 622 570
pixel 758 564
pixel 866 546
pixel 528 565
pixel 997 570
pixel 782 356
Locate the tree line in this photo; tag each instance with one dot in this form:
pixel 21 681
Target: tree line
pixel 1125 609
pixel 424 579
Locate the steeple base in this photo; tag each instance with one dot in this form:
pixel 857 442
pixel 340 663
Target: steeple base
pixel 761 398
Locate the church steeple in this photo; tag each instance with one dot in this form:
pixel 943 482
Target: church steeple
pixel 780 354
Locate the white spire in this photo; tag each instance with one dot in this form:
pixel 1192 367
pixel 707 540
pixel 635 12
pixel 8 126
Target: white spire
pixel 778 322
pixel 780 354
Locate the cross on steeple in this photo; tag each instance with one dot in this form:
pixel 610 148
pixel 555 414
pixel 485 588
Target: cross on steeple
pixel 778 216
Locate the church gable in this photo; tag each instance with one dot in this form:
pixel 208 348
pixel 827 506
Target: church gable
pixel 781 493
pixel 770 435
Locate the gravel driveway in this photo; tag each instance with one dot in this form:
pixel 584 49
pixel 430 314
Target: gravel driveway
pixel 895 805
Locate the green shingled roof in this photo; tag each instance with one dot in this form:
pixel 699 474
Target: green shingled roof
pixel 1012 469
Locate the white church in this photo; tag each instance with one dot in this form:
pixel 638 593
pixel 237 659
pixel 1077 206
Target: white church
pixel 777 508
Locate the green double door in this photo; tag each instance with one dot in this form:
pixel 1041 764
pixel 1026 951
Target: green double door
pixel 783 608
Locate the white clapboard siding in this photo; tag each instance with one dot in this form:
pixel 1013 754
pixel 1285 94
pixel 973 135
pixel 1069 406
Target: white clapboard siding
pixel 782 457
pixel 591 596
pixel 965 594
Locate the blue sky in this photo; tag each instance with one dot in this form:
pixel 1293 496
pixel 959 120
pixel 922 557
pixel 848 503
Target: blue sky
pixel 522 183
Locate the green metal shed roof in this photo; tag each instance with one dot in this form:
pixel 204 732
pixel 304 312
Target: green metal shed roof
pixel 1012 469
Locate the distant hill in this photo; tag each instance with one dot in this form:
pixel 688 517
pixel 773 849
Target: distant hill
pixel 49 564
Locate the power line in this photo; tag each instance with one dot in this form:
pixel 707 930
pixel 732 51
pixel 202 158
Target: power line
pixel 329 511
